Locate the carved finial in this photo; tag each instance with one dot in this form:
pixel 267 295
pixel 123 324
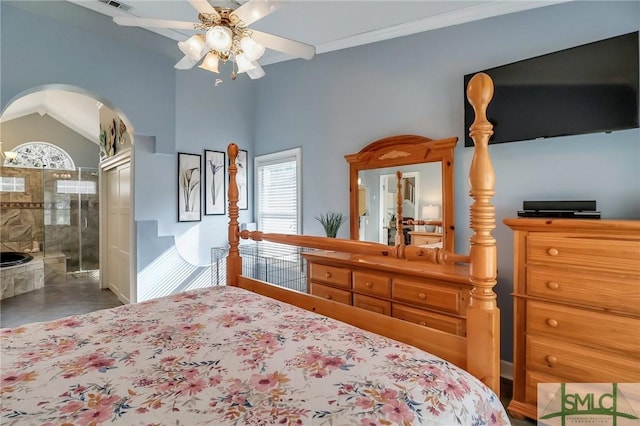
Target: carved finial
pixel 479 94
pixel 232 150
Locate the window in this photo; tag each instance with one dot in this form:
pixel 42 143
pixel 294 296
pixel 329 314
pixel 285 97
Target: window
pixel 278 189
pixel 41 155
pixel 76 187
pixel 11 184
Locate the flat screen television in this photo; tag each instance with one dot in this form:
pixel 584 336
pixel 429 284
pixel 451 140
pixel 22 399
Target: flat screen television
pixel 585 89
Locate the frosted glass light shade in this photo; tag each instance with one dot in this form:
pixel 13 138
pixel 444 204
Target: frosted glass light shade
pixel 243 63
pixel 219 38
pixel 256 73
pixel 251 49
pixel 210 62
pixel 194 48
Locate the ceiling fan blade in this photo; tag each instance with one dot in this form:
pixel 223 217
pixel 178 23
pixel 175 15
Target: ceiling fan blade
pixel 132 21
pixel 253 10
pixel 257 72
pixel 203 6
pixel 284 45
pixel 185 63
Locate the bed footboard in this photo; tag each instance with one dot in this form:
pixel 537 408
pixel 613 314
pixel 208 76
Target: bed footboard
pixel 479 351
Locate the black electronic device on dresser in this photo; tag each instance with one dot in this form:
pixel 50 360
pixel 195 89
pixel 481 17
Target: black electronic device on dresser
pixel 583 209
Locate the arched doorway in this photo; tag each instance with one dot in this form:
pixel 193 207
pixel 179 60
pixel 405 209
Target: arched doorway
pixel 94 134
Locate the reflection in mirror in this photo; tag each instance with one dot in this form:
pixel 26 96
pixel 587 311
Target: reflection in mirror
pixel 426 191
pixel 421 193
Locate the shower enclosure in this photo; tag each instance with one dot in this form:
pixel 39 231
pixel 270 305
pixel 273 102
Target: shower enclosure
pixel 71 217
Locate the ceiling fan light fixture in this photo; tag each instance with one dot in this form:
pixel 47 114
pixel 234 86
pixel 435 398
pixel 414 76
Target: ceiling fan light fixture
pixel 256 73
pixel 252 50
pixel 210 62
pixel 243 63
pixel 194 47
pixel 219 38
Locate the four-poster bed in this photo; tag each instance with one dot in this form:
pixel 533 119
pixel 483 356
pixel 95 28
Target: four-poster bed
pixel 225 355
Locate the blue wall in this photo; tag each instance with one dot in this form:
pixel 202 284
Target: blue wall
pixel 332 105
pixel 341 101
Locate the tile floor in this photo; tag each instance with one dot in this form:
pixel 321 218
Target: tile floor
pixel 79 296
pixel 75 296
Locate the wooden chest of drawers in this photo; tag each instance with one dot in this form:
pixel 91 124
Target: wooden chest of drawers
pixel 576 304
pixel 431 295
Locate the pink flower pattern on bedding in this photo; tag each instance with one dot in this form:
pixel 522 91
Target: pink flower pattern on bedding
pixel 226 356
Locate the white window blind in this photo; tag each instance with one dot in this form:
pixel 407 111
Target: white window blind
pixel 278 192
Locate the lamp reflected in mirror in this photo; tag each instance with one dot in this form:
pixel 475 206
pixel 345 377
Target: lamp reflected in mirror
pixel 429 213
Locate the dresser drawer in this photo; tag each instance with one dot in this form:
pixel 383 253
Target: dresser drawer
pixel 374 284
pixel 532 380
pixel 372 304
pixel 331 293
pixel 596 254
pixel 429 319
pixel 418 240
pixel 440 297
pixel 586 327
pixel 330 274
pixel 575 363
pixel 620 293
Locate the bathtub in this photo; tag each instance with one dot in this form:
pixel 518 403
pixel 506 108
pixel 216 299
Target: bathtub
pixel 13 258
pixel 20 273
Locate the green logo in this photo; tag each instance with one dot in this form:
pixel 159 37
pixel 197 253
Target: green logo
pixel 589 403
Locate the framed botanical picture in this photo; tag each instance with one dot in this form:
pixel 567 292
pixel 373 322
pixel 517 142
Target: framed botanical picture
pixel 241 179
pixel 215 177
pixel 189 172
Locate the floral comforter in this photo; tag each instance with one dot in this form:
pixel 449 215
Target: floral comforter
pixel 226 356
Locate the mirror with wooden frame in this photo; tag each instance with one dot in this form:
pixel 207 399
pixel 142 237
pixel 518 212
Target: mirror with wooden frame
pixel 426 190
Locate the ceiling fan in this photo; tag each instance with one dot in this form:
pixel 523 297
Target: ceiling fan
pixel 224 36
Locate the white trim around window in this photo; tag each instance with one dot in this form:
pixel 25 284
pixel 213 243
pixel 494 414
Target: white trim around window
pixel 278 192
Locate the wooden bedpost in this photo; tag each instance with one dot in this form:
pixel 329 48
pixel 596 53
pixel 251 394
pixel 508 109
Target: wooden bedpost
pixel 399 238
pixel 483 315
pixel 234 261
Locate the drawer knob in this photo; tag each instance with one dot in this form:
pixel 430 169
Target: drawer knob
pixel 328 296
pixel 553 285
pixel 327 274
pixel 551 360
pixel 552 322
pixel 422 296
pixel 369 284
pixel 422 323
pixel 553 252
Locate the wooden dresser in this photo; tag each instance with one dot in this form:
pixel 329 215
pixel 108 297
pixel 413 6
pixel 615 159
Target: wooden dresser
pixel 431 295
pixel 576 304
pixel 419 238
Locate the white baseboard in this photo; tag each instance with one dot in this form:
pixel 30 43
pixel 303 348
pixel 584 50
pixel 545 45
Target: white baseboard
pixel 506 370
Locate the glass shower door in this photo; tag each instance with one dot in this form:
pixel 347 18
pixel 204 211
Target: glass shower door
pixel 88 225
pixel 71 218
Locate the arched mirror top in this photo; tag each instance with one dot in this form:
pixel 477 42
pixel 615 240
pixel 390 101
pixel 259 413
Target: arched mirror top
pixel 427 190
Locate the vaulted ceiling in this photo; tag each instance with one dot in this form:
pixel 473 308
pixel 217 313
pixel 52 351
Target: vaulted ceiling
pixel 328 25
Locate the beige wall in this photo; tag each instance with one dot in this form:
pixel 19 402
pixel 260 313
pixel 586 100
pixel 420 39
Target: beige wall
pixel 37 128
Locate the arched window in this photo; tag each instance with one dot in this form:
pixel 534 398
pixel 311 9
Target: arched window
pixel 41 155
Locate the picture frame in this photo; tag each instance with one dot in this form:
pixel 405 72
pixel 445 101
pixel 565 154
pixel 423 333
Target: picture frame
pixel 215 177
pixel 189 191
pixel 241 179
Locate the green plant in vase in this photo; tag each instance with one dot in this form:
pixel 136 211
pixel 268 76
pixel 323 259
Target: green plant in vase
pixel 331 222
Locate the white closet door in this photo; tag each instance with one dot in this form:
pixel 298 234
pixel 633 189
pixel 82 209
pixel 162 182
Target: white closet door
pixel 119 231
